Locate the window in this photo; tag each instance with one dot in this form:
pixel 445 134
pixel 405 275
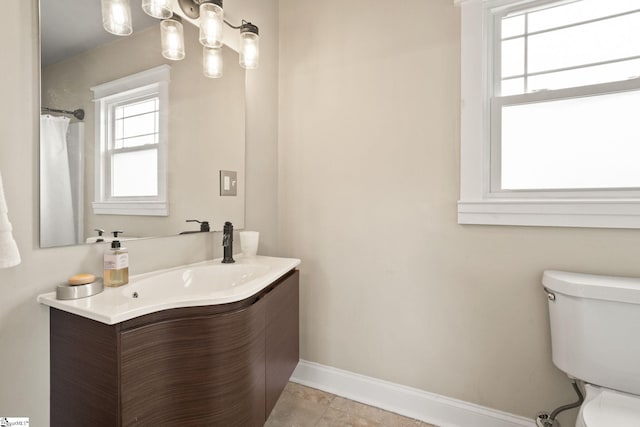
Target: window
pixel 131 144
pixel 549 129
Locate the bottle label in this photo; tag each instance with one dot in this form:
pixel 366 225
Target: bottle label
pixel 116 262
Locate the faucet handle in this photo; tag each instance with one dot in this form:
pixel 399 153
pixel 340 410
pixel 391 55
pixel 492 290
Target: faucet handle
pixel 99 230
pixel 204 225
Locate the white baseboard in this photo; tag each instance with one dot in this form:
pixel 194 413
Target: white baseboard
pixel 431 408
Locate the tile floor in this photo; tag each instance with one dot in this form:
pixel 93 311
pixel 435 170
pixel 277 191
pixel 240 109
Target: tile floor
pixel 301 406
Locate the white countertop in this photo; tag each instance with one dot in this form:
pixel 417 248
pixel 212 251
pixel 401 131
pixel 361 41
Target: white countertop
pixel 199 284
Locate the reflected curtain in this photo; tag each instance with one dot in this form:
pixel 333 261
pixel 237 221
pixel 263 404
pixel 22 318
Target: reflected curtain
pixel 56 204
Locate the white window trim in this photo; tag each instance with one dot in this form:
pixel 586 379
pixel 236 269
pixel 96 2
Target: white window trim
pixel 155 80
pixel 478 204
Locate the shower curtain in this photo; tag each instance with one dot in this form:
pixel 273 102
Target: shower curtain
pixel 75 150
pixel 56 205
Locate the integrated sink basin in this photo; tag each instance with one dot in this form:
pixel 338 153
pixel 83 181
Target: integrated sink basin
pixel 204 283
pixel 197 281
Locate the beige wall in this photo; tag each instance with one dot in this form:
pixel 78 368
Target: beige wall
pixel 392 286
pixel 206 128
pixel 24 326
pixel 368 183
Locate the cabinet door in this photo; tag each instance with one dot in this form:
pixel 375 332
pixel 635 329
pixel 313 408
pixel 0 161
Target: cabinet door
pixel 200 371
pixel 282 337
pixel 84 372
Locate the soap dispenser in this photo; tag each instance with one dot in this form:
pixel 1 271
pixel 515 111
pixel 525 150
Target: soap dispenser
pixel 116 263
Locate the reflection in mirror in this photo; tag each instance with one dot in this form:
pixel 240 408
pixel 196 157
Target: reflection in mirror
pixel 128 139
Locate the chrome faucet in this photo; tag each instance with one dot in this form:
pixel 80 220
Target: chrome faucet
pixel 227 243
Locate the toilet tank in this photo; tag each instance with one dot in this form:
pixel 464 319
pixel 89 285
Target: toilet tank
pixel 595 328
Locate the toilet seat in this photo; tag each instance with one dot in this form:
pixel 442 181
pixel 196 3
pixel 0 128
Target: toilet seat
pixel 610 408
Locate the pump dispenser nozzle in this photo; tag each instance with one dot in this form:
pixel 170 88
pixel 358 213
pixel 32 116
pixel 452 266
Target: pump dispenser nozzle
pixel 115 243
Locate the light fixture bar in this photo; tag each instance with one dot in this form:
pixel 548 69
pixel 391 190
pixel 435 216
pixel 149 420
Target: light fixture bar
pixel 191 8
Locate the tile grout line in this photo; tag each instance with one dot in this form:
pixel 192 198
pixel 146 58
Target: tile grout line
pixel 333 396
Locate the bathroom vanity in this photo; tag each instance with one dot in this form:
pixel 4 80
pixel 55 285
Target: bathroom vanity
pixel 200 365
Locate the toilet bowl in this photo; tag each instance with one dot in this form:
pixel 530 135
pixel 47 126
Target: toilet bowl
pixel 603 407
pixel 595 325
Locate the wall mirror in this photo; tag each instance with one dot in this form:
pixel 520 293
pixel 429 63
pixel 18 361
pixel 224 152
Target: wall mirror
pixel 111 147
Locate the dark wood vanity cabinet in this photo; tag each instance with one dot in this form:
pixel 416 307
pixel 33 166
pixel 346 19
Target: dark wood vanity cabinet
pixel 223 365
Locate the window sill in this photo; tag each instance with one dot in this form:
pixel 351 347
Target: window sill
pixel 131 208
pixel 614 213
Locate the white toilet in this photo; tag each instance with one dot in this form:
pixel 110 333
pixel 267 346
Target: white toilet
pixel 595 338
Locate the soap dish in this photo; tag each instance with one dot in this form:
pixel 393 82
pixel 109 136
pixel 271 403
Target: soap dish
pixel 67 291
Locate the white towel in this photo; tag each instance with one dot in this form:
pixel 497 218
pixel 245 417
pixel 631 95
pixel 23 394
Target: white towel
pixel 9 255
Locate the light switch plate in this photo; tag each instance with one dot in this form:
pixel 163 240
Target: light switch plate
pixel 228 183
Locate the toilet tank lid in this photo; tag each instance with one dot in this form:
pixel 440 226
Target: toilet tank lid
pixel 610 288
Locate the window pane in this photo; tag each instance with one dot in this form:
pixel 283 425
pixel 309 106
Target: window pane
pixel 585 44
pixel 581 143
pixel 513 57
pixel 512 86
pixel 612 72
pixel 134 174
pixel 513 26
pixel 578 11
pixel 146 106
pixel 139 125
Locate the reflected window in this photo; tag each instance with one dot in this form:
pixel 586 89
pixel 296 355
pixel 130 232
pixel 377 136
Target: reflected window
pixel 133 151
pixel 131 144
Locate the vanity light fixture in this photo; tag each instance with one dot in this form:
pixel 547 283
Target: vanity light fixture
pixel 116 17
pixel 160 9
pixel 172 35
pixel 211 17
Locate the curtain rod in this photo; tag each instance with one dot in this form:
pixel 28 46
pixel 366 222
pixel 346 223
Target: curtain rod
pixel 78 114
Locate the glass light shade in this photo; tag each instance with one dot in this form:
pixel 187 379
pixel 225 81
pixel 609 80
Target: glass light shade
pixel 249 50
pixel 212 62
pixel 160 9
pixel 211 24
pixel 172 35
pixel 116 17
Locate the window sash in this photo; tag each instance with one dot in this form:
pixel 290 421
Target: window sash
pixel 111 150
pixel 499 13
pixel 113 119
pixel 497 103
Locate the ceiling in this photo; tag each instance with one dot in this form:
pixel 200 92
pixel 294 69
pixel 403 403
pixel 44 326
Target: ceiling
pixel 69 27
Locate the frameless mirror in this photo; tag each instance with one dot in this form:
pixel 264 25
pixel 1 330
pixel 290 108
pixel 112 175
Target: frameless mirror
pixel 129 140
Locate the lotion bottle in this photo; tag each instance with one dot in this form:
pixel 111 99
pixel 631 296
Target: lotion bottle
pixel 116 264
